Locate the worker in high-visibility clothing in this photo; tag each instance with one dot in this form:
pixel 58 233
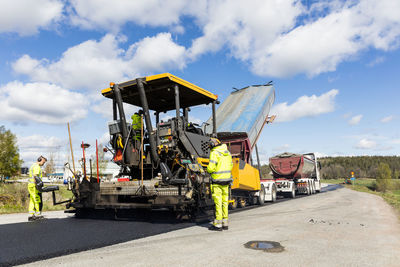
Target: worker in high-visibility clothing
pixel 220 168
pixel 35 185
pixel 137 124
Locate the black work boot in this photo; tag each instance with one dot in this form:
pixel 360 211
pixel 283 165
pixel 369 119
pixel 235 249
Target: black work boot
pixel 214 228
pixel 32 218
pixel 225 224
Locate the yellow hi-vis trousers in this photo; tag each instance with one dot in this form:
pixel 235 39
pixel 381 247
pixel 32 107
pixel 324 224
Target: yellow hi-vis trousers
pixel 220 195
pixel 35 200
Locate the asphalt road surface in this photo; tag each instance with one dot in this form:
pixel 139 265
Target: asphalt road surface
pixel 62 234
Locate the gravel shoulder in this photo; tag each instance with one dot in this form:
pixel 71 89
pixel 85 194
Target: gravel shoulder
pixel 336 228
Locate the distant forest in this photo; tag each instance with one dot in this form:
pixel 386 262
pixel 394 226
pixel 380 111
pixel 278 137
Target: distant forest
pixel 362 166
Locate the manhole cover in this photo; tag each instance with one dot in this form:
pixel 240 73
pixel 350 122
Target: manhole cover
pixel 267 246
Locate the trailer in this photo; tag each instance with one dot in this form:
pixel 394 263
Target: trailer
pixel 296 174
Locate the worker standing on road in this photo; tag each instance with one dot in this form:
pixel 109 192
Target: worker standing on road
pixel 137 124
pixel 220 168
pixel 35 185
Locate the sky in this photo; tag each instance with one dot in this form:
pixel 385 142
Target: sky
pixel 334 64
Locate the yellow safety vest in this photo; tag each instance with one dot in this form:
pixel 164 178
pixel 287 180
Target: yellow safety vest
pixel 136 122
pixel 220 165
pixel 34 170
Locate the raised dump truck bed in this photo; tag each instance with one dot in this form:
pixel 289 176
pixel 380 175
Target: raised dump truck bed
pixel 240 120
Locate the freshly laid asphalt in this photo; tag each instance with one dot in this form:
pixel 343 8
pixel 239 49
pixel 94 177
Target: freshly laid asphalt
pixel 23 242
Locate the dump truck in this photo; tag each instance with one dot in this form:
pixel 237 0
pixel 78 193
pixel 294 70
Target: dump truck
pixel 240 121
pixel 296 173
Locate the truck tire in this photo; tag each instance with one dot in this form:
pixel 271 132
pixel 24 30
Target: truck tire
pixel 308 192
pixel 293 193
pixel 261 196
pixel 274 193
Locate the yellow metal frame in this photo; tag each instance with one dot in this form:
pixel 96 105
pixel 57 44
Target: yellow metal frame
pixel 174 79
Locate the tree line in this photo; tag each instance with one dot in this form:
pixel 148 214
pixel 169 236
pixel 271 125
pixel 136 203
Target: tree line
pixel 362 166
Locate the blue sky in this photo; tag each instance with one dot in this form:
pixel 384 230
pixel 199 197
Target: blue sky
pixel 335 66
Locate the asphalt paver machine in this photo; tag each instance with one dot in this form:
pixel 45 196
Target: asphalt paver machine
pixel 165 166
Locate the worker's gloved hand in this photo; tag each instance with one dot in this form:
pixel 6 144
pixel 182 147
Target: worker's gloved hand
pixel 39 183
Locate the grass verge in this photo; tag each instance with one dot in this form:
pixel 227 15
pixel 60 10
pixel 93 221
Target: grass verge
pixel 14 198
pixel 391 196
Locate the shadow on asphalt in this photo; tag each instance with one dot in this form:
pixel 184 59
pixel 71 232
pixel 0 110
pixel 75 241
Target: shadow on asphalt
pixel 32 241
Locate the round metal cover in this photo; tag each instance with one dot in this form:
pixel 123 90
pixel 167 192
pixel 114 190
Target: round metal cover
pixel 267 246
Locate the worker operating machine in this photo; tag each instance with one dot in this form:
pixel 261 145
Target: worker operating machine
pixel 164 163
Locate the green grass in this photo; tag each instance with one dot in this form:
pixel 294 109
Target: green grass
pixel 392 196
pixel 14 198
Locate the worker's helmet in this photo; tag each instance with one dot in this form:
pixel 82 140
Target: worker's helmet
pixel 41 158
pixel 214 142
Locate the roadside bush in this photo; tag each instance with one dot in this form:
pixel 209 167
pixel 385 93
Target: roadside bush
pixel 13 198
pixel 383 177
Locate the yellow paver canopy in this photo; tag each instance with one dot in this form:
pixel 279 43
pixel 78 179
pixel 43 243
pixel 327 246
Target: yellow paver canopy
pixel 160 92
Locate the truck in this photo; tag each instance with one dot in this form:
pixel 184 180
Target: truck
pixel 240 121
pixel 295 174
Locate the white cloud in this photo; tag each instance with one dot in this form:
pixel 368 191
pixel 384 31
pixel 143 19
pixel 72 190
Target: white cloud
pixel 157 54
pixel 31 147
pixel 40 102
pixel 104 107
pixel 112 15
pixel 93 64
pixel 104 139
pixel 310 41
pixel 247 27
pixel 38 141
pixel 355 119
pixel 305 106
pixel 366 144
pixel 387 119
pixel 321 45
pixel 26 17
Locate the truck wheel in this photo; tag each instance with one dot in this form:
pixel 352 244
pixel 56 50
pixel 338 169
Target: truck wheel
pixel 261 196
pixel 293 193
pixel 273 194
